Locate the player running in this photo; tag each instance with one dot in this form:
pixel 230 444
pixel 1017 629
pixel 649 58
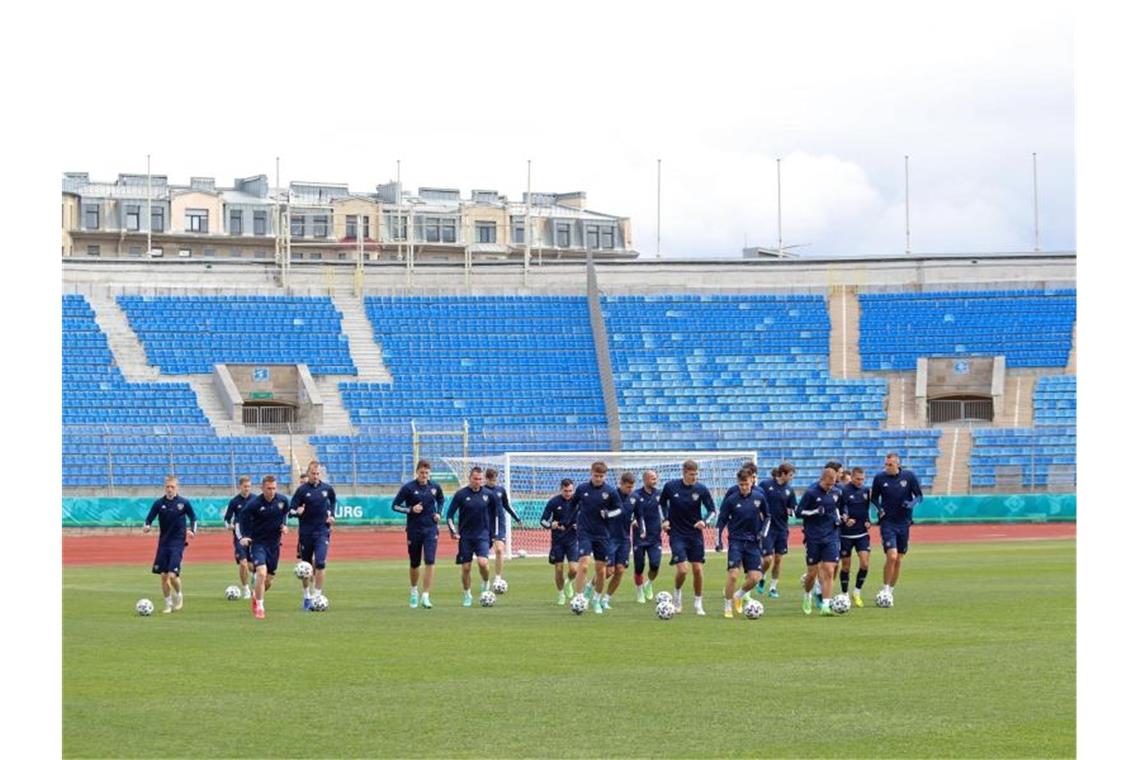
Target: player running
pixel 422 501
pixel 597 502
pixel 172 512
pixel 560 518
pixel 820 508
pixel 259 527
pixel 751 469
pixel 620 526
pixel 681 501
pixel 314 506
pixel 499 526
pixel 743 512
pixel 241 553
pixel 781 498
pixel 854 533
pixel 894 493
pixel 474 503
pixel 647 512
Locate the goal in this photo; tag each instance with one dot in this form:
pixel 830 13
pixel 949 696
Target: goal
pixel 531 478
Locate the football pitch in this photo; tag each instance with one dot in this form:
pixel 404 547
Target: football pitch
pixel 977 658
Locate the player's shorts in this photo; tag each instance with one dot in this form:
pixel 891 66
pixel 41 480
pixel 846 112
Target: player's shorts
pixel 563 546
pixel 860 544
pixel 895 536
pixel 643 551
pixel 822 551
pixel 168 558
pixel 313 548
pixel 265 554
pixel 469 548
pixel 746 554
pixel 240 552
pixel 619 552
pixel 422 546
pixel 686 548
pixel 598 546
pixel 776 542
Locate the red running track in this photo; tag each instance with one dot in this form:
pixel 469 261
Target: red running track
pixel 126 548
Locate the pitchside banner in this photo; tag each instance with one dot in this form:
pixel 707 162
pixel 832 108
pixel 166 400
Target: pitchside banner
pixel 377 510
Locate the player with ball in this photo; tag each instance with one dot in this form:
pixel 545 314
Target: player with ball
pixel 260 525
pixel 744 512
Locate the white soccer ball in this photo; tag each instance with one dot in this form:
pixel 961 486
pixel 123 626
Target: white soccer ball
pixel 884 598
pixel 841 604
pixel 753 609
pixel 320 603
pixel 233 592
pixel 487 599
pixel 303 570
pixel 666 610
pixel 144 607
pixel 664 596
pixel 521 553
pixel 578 604
pixel 499 586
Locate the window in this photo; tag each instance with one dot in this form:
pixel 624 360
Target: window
pixel 350 227
pixel 260 254
pixel 135 252
pixel 562 235
pixel 320 226
pixel 134 221
pixel 183 253
pixel 366 235
pixel 210 252
pixel 397 225
pixel 608 238
pixel 259 220
pixel 298 255
pixel 485 232
pixel 92 250
pixel 316 255
pixel 342 256
pixel 448 230
pixel 235 221
pixel 591 236
pixel 157 219
pixel 297 226
pixel 197 220
pixel 91 217
pixel 431 230
pixel 518 230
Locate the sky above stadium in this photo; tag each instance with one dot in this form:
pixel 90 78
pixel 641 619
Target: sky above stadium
pixel 594 94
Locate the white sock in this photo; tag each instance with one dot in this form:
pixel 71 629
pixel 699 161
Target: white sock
pixel 605 597
pixel 498 578
pixel 816 588
pixel 318 593
pixel 827 604
pixel 696 601
pixel 414 590
pixel 261 604
pixel 169 601
pixel 677 597
pixel 246 587
pixel 727 605
pixel 775 582
pixel 738 594
pixel 307 591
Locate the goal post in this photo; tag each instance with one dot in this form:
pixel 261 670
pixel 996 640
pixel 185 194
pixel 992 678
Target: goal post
pixel 531 478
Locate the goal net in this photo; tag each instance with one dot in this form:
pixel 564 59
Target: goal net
pixel 531 478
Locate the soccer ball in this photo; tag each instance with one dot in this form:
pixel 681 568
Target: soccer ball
pixel 499 586
pixel 884 599
pixel 578 604
pixel 233 592
pixel 303 570
pixel 841 604
pixel 664 596
pixel 144 607
pixel 666 610
pixel 320 603
pixel 521 554
pixel 753 609
pixel 487 599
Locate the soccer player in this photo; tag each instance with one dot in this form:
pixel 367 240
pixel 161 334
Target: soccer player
pixel 647 512
pixel 620 526
pixel 172 512
pixel 854 533
pixel 422 501
pixel 743 512
pixel 499 526
pixel 894 493
pixel 259 527
pixel 560 518
pixel 751 469
pixel 474 503
pixel 820 509
pixel 314 506
pixel 241 553
pixel 596 501
pixel 681 501
pixel 781 499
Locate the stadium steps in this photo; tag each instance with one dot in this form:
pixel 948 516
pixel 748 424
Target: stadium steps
pixel 336 418
pixel 362 344
pixel 297 453
pixel 122 340
pixel 952 468
pixel 844 360
pixel 901 412
pixel 1071 367
pixel 212 406
pixel 1017 409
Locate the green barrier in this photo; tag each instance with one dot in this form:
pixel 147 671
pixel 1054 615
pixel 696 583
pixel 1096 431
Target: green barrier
pixel 377 510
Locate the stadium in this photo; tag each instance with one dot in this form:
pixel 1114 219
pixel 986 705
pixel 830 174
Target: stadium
pixel 252 330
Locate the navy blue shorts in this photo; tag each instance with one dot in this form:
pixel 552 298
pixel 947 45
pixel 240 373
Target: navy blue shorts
pixel 314 549
pixel 776 542
pixel 744 554
pixel 563 546
pixel 240 552
pixel 686 548
pixel 822 551
pixel 643 551
pixel 168 558
pixel 895 536
pixel 619 552
pixel 469 548
pixel 599 547
pixel 860 544
pixel 421 547
pixel 265 554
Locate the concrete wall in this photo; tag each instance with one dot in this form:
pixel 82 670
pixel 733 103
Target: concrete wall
pixel 945 377
pixel 211 202
pixel 282 381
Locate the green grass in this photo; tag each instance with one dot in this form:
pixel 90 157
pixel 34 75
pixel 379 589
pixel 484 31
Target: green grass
pixel 976 659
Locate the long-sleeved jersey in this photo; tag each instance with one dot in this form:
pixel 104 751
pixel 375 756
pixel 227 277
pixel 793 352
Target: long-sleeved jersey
pixel 319 502
pixel 474 508
pixel 682 506
pixel 856 506
pixel 744 514
pixel 234 508
pixel 620 524
pixel 895 495
pixel 505 501
pixel 821 512
pixel 647 512
pixel 172 515
pixel 430 495
pixel 781 503
pixel 595 505
pixel 260 520
pixel 561 511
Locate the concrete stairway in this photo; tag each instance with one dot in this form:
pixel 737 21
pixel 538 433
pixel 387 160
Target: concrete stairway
pixel 212 406
pixel 844 360
pixel 362 345
pixel 901 412
pixel 297 453
pixel 124 344
pixel 952 467
pixel 1017 408
pixel 1071 367
pixel 336 418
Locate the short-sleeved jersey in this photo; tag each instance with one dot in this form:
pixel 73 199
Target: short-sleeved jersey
pixel 682 506
pixel 595 505
pixel 474 512
pixel 743 514
pixel 173 515
pixel 895 495
pixel 820 511
pixel 319 502
pixel 261 519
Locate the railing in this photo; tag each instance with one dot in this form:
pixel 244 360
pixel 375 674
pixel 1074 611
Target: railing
pixel 265 418
pixel 970 410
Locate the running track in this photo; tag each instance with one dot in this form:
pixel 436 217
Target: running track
pixel 128 548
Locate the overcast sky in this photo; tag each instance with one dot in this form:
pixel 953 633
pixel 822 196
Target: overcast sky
pixel 594 94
